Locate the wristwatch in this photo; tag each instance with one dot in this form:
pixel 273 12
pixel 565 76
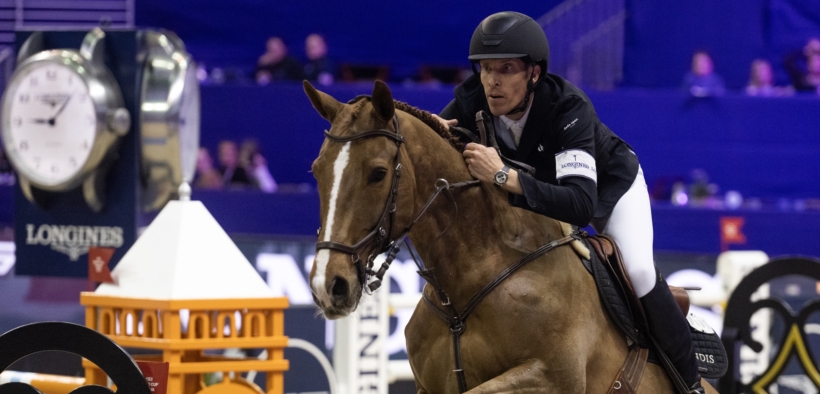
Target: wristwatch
pixel 500 177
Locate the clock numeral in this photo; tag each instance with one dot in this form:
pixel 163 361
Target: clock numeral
pixel 51 75
pixel 70 79
pixel 72 161
pixel 85 145
pixel 25 97
pixel 17 121
pixel 33 81
pixel 90 120
pixel 24 146
pixel 55 168
pixel 36 163
pixel 82 97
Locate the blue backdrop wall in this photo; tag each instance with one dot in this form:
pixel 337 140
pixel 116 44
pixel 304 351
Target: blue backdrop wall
pixel 660 36
pixel 402 33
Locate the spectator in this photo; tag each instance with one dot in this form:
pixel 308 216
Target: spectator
pixel 803 67
pixel 207 177
pixel 276 65
pixel 702 80
pixel 813 75
pixel 318 68
pixel 255 165
pixel 233 175
pixel 761 81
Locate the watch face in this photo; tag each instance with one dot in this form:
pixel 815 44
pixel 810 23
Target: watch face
pixel 500 177
pixel 189 123
pixel 49 123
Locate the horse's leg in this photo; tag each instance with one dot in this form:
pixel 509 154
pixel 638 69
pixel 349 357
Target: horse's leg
pixel 533 376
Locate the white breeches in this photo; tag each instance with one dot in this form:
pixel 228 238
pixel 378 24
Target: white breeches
pixel 630 224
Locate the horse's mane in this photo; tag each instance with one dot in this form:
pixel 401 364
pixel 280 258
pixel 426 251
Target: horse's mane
pixel 426 118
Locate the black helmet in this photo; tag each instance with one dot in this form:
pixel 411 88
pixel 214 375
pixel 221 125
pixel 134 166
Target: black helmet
pixel 510 35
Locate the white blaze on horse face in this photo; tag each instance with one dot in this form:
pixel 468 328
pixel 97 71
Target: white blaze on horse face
pixel 323 256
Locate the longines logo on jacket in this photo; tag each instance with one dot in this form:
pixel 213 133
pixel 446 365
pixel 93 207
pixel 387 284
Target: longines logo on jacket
pixel 73 240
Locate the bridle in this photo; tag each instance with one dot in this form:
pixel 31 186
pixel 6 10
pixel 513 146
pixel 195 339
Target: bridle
pixel 380 239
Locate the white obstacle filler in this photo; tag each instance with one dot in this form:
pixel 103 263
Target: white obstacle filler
pixel 359 356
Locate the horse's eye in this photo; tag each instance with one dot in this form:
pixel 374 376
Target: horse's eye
pixel 377 175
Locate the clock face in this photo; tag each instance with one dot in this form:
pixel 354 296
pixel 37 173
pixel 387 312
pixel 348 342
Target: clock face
pixel 49 123
pixel 189 123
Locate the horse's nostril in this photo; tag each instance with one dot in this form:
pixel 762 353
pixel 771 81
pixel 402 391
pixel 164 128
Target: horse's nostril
pixel 339 287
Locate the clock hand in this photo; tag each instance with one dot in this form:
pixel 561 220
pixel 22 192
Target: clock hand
pixel 41 121
pixel 62 107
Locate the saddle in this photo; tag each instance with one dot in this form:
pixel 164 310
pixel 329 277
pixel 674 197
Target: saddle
pixel 626 311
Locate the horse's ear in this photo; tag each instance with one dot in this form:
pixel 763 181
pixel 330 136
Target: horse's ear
pixel 382 101
pixel 325 105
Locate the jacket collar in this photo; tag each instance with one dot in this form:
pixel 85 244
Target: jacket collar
pixel 536 122
pixel 471 90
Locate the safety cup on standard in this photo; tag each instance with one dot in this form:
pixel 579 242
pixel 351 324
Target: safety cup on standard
pixel 575 162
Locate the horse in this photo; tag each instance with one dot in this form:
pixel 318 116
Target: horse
pixel 387 169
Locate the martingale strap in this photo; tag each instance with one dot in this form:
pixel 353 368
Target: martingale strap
pixel 456 320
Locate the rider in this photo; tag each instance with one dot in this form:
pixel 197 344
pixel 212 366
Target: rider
pixel 585 174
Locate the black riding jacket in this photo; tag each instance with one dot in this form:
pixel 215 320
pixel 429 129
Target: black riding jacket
pixel 561 119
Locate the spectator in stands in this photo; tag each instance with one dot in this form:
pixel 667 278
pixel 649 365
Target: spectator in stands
pixel 255 165
pixel 318 68
pixel 207 177
pixel 702 81
pixel 276 65
pixel 812 79
pixel 803 67
pixel 233 175
pixel 761 81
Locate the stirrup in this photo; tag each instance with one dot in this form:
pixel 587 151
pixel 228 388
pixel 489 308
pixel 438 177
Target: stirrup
pixel 696 388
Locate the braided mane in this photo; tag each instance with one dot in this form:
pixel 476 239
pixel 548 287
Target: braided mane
pixel 426 118
pixel 431 122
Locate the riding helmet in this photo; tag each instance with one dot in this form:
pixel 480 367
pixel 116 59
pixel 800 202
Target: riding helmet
pixel 510 35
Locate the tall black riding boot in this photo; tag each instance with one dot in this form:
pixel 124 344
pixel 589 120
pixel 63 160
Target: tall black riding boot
pixel 669 327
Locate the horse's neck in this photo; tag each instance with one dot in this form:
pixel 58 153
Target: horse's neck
pixel 487 234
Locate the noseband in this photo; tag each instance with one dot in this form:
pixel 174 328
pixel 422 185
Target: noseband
pixel 380 239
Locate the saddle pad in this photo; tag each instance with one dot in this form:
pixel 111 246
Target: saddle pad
pixel 613 299
pixel 712 359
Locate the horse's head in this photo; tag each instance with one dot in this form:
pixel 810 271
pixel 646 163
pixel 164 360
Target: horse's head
pixel 357 179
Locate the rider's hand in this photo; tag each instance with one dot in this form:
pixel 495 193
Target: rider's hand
pixel 445 122
pixel 483 162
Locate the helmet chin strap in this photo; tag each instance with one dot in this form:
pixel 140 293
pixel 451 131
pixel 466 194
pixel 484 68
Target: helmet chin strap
pixel 526 102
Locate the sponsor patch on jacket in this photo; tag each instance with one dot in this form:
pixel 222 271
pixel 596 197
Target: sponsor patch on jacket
pixel 570 124
pixel 575 162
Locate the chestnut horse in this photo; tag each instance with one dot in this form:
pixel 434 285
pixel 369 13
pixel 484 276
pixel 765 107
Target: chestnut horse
pixel 542 330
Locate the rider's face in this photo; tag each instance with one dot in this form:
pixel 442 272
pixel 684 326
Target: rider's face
pixel 505 83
